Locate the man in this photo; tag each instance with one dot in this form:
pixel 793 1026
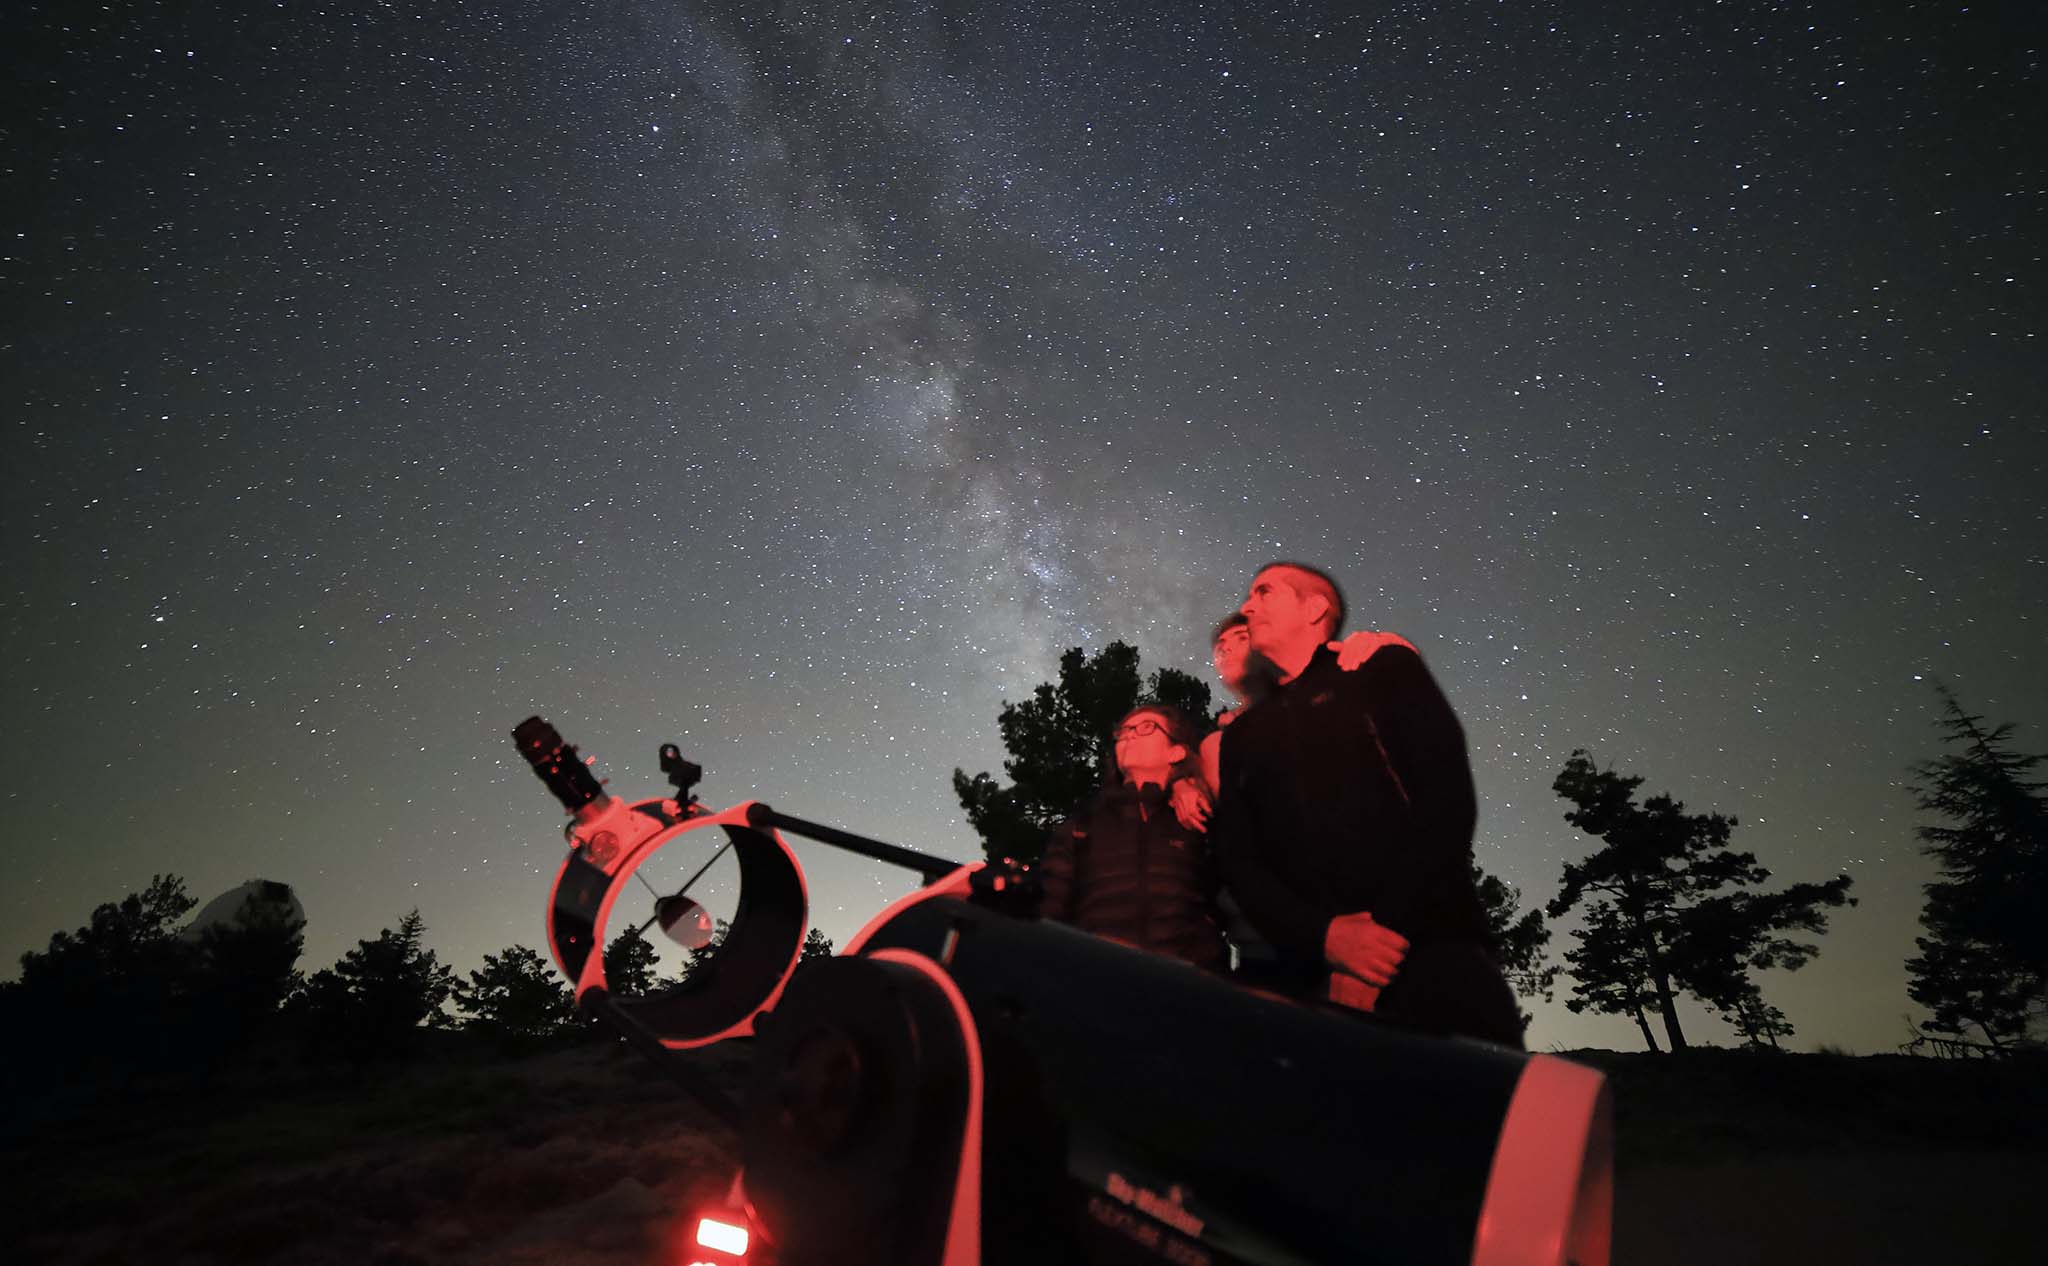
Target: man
pixel 1250 678
pixel 1344 822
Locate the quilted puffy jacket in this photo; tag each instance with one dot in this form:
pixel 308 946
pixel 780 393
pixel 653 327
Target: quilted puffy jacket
pixel 1124 867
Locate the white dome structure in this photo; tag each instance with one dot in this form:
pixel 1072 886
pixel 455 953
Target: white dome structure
pixel 260 901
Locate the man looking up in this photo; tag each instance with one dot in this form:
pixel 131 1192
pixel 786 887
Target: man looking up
pixel 1344 822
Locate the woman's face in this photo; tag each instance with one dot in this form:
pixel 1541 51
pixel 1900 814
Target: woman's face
pixel 1229 653
pixel 1142 743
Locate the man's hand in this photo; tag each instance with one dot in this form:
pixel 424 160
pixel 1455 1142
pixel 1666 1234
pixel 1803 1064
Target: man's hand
pixel 1191 804
pixel 1356 945
pixel 1350 991
pixel 1353 651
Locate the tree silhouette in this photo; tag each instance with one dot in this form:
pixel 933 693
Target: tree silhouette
pixel 1727 936
pixel 112 992
pixel 817 945
pixel 1518 938
pixel 629 965
pixel 373 1001
pixel 247 965
pixel 1657 921
pixel 1984 961
pixel 704 953
pixel 1610 969
pixel 517 994
pixel 123 946
pixel 1060 747
pixel 1758 1021
pixel 130 992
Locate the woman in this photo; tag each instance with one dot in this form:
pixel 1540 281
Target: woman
pixel 1230 650
pixel 1123 866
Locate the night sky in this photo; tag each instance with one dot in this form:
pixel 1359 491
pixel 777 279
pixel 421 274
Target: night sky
pixel 796 388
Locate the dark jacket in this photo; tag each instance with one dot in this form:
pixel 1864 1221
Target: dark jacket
pixel 1124 867
pixel 1344 792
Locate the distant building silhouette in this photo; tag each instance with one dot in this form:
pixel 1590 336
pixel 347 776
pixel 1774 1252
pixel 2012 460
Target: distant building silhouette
pixel 273 902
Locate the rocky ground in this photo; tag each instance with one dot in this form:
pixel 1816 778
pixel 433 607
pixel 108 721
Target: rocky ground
pixel 580 1156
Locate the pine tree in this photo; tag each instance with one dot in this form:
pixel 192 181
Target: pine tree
pixel 247 966
pixel 1610 971
pixel 817 945
pixel 1060 747
pixel 116 992
pixel 1757 1020
pixel 1658 921
pixel 703 954
pixel 1983 965
pixel 1518 938
pixel 374 1000
pixel 629 965
pixel 122 948
pixel 517 994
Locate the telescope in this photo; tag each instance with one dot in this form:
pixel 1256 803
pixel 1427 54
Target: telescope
pixel 965 1084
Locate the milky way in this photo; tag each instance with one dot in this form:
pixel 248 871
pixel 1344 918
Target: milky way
pixel 797 386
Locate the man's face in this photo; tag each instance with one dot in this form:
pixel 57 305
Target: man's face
pixel 1277 615
pixel 1229 652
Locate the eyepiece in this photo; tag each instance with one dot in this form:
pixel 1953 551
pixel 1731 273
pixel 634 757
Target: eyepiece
pixel 556 764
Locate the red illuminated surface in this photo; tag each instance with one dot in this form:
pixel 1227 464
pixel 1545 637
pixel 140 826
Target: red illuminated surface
pixel 963 1230
pixel 1550 1197
pixel 647 839
pixel 722 1236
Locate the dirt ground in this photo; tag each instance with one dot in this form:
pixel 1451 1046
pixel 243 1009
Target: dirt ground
pixel 581 1157
pixel 1728 1156
pixel 1861 1209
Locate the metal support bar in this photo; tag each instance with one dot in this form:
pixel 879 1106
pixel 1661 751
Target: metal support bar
pixel 927 866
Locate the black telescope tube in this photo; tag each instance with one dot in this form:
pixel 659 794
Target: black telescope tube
pixel 927 866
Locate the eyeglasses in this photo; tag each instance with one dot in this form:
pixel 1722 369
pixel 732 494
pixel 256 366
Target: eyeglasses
pixel 1140 728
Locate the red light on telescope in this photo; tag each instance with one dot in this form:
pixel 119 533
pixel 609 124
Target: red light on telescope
pixel 723 1237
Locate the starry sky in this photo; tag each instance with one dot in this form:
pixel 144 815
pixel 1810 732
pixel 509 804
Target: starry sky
pixel 795 383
